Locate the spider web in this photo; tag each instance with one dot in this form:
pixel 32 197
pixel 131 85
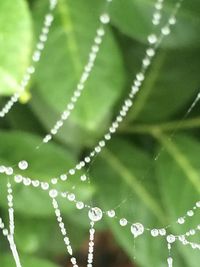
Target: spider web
pixel 95 214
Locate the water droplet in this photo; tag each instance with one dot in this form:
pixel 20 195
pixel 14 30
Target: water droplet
pixel 104 18
pixel 192 232
pixel 190 213
pixel 23 165
pixel 111 213
pixel 172 20
pixel 2 169
pixel 18 178
pixel 162 232
pixel 71 197
pixel 9 171
pixel 198 204
pixel 54 180
pixel 170 261
pixel 83 178
pixel 123 222
pixel 165 30
pixel 80 205
pixel 154 232
pixel 137 229
pixel 95 214
pixel 140 76
pixel 35 183
pixel 53 193
pixel 150 52
pixel 152 39
pixel 44 185
pixel 63 177
pixel 171 239
pixel 181 220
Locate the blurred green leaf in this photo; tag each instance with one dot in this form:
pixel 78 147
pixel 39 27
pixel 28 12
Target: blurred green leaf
pixel 32 235
pixel 7 260
pixel 133 17
pixel 130 174
pixel 164 82
pixel 15 44
pixel 126 181
pixel 178 175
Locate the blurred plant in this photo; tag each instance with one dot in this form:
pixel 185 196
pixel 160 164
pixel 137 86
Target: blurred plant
pixel 127 166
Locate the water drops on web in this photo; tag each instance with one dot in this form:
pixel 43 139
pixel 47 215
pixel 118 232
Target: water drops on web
pixel 137 229
pixel 87 70
pixel 23 165
pixel 123 222
pixel 111 213
pixel 105 18
pixel 157 15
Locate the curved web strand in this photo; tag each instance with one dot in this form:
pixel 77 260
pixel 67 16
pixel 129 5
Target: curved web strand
pixel 87 70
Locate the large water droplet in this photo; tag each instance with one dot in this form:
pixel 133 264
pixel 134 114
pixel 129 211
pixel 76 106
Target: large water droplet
pixel 95 214
pixel 23 165
pixel 137 229
pixel 104 18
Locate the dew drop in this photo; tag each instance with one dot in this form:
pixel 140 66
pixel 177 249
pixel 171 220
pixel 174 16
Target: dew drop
pixel 95 214
pixel 123 222
pixel 111 213
pixel 152 39
pixel 23 165
pixel 137 229
pixel 104 18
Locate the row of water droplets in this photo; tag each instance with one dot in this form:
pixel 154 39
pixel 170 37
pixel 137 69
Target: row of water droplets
pixel 104 19
pixel 95 214
pixel 9 232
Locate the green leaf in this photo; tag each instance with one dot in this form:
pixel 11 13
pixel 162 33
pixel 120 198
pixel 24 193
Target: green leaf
pixel 33 235
pixel 164 92
pixel 45 163
pixel 7 261
pixel 126 180
pixel 128 173
pixel 15 44
pixel 63 60
pixel 178 175
pixel 133 17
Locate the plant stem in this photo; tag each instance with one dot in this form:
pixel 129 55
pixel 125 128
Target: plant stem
pixel 163 127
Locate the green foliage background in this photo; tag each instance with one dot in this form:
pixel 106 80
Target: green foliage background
pixel 155 192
